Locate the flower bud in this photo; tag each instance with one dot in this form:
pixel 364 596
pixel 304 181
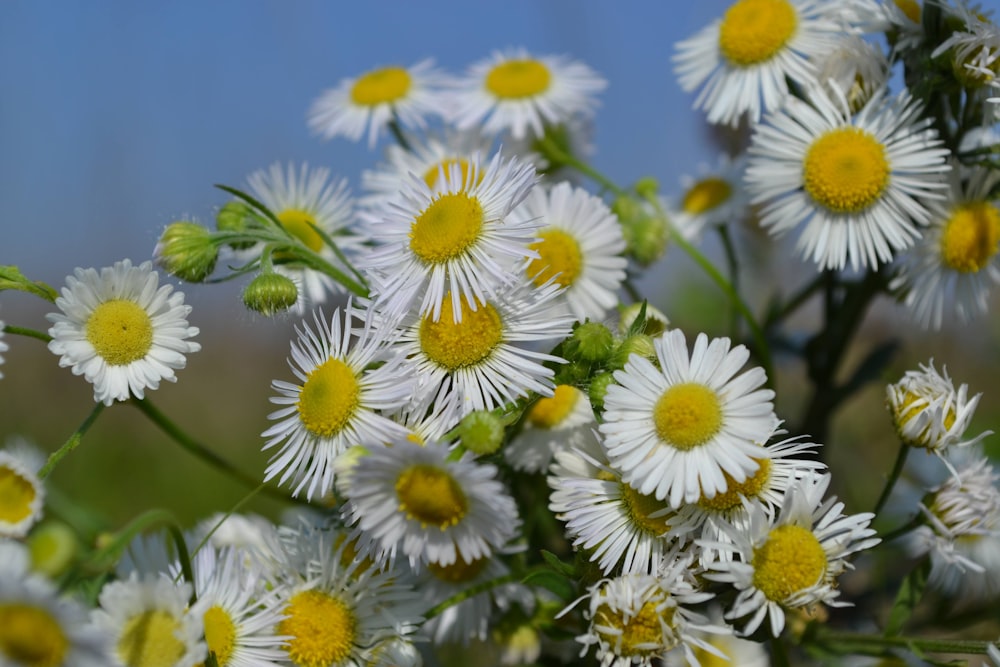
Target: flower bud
pixel 270 293
pixel 645 237
pixel 598 388
pixel 235 217
pixel 52 546
pixel 186 250
pixel 591 341
pixel 655 324
pixel 481 432
pixel 640 344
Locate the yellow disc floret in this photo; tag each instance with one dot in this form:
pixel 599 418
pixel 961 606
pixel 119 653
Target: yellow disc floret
pixel 322 629
pixel 17 493
pixel 549 412
pixel 687 415
pixel 911 8
pixel 641 509
pixel 642 633
pixel 120 331
pixel 458 572
pixel 845 170
pixel 754 31
pixel 299 224
pixel 329 398
pixel 220 634
pixel 149 639
pixel 518 79
pixel 970 237
pixel 791 560
pixel 706 194
pixel 381 86
pixel 430 495
pixel 454 345
pixel 446 228
pixel 559 257
pixel 30 636
pixel 731 498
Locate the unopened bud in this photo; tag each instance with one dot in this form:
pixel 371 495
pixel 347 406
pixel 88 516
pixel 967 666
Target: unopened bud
pixel 270 293
pixel 645 237
pixel 186 250
pixel 640 344
pixel 655 323
pixel 481 432
pixel 591 341
pixel 598 388
pixel 235 217
pixel 53 546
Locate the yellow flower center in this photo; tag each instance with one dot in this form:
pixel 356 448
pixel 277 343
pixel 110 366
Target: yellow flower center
pixel 845 170
pixel 517 79
pixel 433 172
pixel 149 639
pixel 30 636
pixel 970 237
pixel 455 345
pixel 559 257
pixel 754 31
pixel 431 496
pixel 640 507
pixel 446 228
pixel 220 634
pixel 120 331
pixel 458 572
pixel 299 224
pixel 730 499
pixel 16 495
pixel 911 8
pixel 791 560
pixel 642 634
pixel 381 86
pixel 687 415
pixel 53 545
pixel 706 194
pixel 322 629
pixel 549 412
pixel 912 405
pixel 349 555
pixel 329 398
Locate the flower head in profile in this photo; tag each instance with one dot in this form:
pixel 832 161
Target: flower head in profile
pixel 379 96
pixel 21 494
pixel 121 330
pixel 715 196
pixel 516 92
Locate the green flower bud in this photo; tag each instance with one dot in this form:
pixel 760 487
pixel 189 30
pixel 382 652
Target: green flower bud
pixel 656 322
pixel 640 344
pixel 481 432
pixel 236 216
pixel 270 293
pixel 591 341
pixel 186 250
pixel 645 237
pixel 647 187
pixel 598 388
pixel 53 546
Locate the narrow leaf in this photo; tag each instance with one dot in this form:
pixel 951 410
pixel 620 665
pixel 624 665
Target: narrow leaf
pixel 910 592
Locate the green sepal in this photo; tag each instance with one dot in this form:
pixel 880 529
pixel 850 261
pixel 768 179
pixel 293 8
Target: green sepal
pixel 12 278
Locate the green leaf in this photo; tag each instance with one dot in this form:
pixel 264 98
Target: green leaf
pixel 556 583
pixel 12 278
pixel 557 564
pixel 910 592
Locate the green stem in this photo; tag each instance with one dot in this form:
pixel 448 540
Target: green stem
pixel 779 654
pixel 30 333
pixel 235 508
pixel 468 593
pixel 71 443
pixel 732 265
pixel 912 524
pixel 796 301
pixel 851 642
pixel 897 469
pixel 204 453
pixel 558 155
pixel 398 135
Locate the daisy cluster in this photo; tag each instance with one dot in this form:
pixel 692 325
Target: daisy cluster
pixel 499 451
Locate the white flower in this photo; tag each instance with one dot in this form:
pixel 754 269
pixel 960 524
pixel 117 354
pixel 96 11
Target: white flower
pixel 22 495
pixel 120 330
pixel 338 402
pixel 856 68
pixel 564 420
pixel 516 92
pixel 674 431
pixel 714 197
pixel 857 182
pixel 377 97
pixel 741 62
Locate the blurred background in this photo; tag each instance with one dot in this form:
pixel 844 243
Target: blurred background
pixel 118 117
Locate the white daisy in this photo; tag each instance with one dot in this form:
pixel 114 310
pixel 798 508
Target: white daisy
pixel 856 68
pixel 728 649
pixel 410 498
pixel 675 430
pixel 372 100
pixel 857 182
pixel 21 495
pixel 303 202
pixel 149 622
pixel 338 402
pixel 929 412
pixel 974 52
pixel 456 236
pixel 478 356
pixel 37 626
pixel 793 561
pixel 120 330
pixel 955 264
pixel 580 248
pixel 564 420
pixel 714 197
pixel 619 528
pixel 247 532
pixel 741 62
pixel 519 93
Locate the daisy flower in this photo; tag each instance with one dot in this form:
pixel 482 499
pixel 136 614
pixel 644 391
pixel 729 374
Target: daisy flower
pixel 377 97
pixel 519 93
pixel 149 622
pixel 615 525
pixel 580 248
pixel 456 236
pixel 975 51
pixel 120 330
pixel 675 430
pixel 564 420
pixel 927 411
pixel 856 69
pixel 411 499
pixel 303 202
pixel 714 197
pixel 38 627
pixel 955 264
pixel 728 649
pixel 21 495
pixel 793 561
pixel 857 182
pixel 338 402
pixel 741 62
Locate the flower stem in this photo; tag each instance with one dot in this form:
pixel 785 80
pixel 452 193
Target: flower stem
pixel 30 333
pixel 472 591
pixel 71 443
pixel 397 133
pixel 851 642
pixel 557 154
pixel 897 469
